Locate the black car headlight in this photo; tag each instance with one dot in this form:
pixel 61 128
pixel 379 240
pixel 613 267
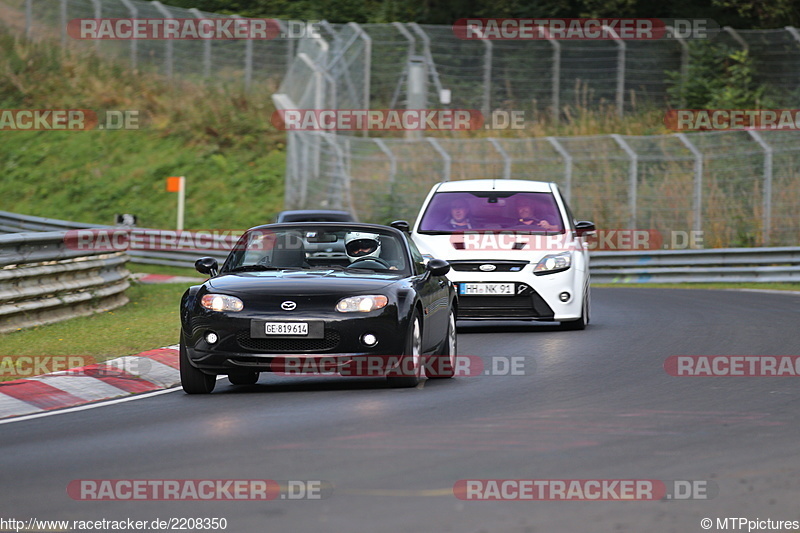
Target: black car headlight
pixel 553 263
pixel 362 304
pixel 221 302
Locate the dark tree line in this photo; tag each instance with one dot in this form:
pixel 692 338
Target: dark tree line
pixel 740 14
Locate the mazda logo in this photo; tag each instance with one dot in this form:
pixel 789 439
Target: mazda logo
pixel 487 267
pixel 288 305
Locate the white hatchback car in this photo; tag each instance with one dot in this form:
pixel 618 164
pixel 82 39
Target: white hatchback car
pixel 515 250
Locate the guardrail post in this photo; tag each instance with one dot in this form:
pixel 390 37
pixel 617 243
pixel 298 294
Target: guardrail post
pixel 632 177
pixel 445 157
pixel 506 158
pixel 134 42
pixel 567 166
pixel 767 190
pixel 698 181
pixel 620 70
pixel 168 59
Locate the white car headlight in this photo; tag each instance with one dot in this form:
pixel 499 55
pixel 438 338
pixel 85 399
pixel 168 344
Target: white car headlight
pixel 362 304
pixel 553 263
pixel 221 302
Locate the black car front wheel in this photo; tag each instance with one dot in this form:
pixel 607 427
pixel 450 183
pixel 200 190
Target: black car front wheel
pixel 193 380
pixel 443 364
pixel 409 371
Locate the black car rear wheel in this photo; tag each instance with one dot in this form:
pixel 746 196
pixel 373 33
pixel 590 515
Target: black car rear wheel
pixel 193 380
pixel 243 378
pixel 409 371
pixel 443 364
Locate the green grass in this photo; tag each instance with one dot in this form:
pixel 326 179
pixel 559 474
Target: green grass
pixel 149 321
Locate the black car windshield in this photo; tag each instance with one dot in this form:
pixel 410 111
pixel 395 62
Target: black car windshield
pixel 312 247
pixel 452 212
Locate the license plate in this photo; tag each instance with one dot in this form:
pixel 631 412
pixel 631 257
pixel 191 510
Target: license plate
pixel 286 328
pixel 488 289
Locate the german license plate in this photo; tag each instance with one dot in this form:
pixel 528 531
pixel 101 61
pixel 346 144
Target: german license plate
pixel 487 289
pixel 286 328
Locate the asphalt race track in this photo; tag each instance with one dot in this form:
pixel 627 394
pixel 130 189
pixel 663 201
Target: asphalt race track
pixel 591 405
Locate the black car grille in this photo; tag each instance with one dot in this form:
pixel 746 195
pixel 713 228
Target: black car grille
pixel 330 342
pixel 500 266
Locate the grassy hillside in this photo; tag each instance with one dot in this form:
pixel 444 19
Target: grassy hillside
pixel 216 136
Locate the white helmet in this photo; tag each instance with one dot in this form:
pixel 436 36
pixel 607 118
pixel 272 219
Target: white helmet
pixel 360 245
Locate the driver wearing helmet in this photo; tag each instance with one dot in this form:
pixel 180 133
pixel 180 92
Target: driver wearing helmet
pixel 361 246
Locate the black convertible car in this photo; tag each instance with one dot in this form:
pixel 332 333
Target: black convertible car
pixel 350 298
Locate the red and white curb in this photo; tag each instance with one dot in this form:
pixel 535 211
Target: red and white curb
pixel 162 278
pixel 132 374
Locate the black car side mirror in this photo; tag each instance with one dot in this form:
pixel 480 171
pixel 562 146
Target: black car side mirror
pixel 207 265
pixel 584 227
pixel 438 267
pixel 402 225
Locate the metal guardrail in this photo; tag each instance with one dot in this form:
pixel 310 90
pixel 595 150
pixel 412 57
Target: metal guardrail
pixel 42 280
pixel 733 265
pixel 729 265
pixel 15 223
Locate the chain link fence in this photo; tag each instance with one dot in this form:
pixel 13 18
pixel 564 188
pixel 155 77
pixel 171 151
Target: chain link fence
pixel 740 189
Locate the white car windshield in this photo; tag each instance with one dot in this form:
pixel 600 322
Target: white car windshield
pixel 451 212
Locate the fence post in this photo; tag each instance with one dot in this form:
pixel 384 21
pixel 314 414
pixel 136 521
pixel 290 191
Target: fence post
pixel 767 191
pixel 341 174
pixel 62 12
pixel 698 180
pixel 411 51
pixel 556 75
pixel 684 63
pixel 736 37
pixel 445 157
pixel 248 58
pixel 632 177
pixel 506 158
pixel 487 78
pixel 392 159
pixel 168 60
pixel 206 45
pixel 567 166
pixel 426 41
pixel 28 18
pixel 620 70
pixel 134 42
pixel 98 13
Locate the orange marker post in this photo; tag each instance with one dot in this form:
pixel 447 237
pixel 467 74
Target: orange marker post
pixel 178 184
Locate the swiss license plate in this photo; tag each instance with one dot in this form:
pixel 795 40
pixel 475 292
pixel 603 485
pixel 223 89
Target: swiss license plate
pixel 488 289
pixel 286 328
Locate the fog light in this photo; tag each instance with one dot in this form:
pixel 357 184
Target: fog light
pixel 369 339
pixel 564 296
pixel 211 337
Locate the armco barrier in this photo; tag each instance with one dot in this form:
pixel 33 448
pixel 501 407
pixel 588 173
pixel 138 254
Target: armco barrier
pixel 745 265
pixel 43 281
